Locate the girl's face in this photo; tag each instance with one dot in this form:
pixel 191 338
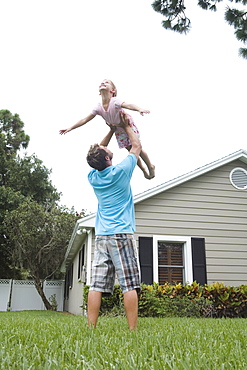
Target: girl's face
pixel 106 85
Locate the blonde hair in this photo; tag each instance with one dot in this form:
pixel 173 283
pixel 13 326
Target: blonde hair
pixel 114 88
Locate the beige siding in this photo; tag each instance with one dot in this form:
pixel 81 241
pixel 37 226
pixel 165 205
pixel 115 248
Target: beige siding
pixel 74 302
pixel 209 207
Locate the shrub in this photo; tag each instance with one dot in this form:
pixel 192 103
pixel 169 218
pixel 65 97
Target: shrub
pixel 228 301
pixel 111 305
pixel 188 300
pixel 159 301
pixel 53 302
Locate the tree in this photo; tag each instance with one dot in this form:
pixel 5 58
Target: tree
pixel 30 177
pixel 11 127
pixel 9 200
pixel 39 238
pixel 176 19
pixel 12 138
pixel 19 178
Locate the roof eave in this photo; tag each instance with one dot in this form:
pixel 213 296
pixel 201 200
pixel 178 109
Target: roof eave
pixel 78 236
pixel 241 155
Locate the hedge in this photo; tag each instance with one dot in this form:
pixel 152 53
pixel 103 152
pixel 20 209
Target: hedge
pixel 190 300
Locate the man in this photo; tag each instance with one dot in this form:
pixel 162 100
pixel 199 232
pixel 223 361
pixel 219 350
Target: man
pixel 115 250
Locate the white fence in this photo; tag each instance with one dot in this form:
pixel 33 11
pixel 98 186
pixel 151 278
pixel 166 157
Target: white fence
pixel 18 295
pixel 5 289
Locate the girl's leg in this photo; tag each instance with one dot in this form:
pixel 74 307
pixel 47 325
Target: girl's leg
pixel 150 166
pixel 140 165
pixel 144 170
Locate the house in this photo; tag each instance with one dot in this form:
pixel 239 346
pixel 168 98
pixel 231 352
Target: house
pixel 193 227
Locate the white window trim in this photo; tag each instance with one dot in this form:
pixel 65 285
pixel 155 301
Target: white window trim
pixel 188 268
pixel 89 256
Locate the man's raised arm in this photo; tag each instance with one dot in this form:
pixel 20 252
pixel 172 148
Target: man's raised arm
pixel 108 137
pixel 136 146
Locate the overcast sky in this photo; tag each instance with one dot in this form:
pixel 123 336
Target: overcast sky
pixel 55 53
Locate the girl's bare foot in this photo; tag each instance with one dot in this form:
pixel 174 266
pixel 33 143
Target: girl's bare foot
pixel 146 174
pixel 151 172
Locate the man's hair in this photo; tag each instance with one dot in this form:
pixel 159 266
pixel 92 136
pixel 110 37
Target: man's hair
pixel 96 157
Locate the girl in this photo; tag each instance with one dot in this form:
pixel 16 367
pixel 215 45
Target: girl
pixel 109 109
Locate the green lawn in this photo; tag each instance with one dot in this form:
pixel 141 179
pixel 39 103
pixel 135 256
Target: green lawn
pixel 43 340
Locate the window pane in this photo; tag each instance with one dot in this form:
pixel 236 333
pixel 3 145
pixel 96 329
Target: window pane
pixel 170 275
pixel 170 255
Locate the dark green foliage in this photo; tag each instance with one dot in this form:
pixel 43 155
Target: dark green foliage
pixel 9 200
pixel 173 301
pixel 173 10
pixel 188 300
pixel 243 52
pixel 238 19
pixel 13 135
pixel 176 19
pixel 228 301
pixel 19 178
pixel 30 177
pixel 111 305
pixel 39 239
pixel 151 305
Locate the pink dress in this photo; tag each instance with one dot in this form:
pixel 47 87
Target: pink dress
pixel 111 115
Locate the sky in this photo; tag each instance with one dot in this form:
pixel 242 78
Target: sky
pixel 55 53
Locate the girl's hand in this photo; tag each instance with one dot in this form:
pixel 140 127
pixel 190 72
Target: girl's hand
pixel 63 132
pixel 142 111
pixel 135 108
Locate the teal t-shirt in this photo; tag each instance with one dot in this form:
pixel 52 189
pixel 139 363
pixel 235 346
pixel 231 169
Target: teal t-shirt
pixel 115 214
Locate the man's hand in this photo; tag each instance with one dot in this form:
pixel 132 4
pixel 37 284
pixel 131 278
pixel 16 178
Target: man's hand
pixel 135 142
pixel 112 127
pixel 124 119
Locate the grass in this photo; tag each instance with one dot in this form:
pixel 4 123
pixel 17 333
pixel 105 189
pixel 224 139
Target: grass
pixel 42 340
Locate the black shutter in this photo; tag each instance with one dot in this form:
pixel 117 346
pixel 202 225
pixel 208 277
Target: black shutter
pixel 199 260
pixel 146 259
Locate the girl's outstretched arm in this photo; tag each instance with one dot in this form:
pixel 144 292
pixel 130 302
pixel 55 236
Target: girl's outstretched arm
pixel 135 108
pixel 82 122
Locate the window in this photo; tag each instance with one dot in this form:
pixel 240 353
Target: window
pixel 81 262
pixel 185 259
pixel 172 259
pixel 170 262
pixel 68 281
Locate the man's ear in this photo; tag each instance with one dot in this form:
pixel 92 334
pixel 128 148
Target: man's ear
pixel 107 158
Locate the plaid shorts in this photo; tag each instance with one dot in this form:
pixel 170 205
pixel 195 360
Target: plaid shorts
pixel 115 254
